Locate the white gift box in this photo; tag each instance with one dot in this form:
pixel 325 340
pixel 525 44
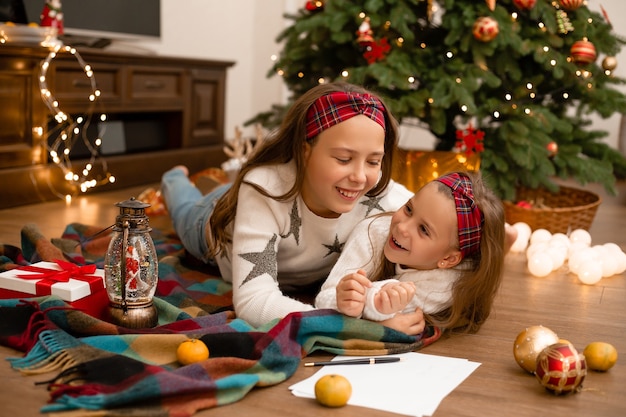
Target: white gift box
pixel 79 285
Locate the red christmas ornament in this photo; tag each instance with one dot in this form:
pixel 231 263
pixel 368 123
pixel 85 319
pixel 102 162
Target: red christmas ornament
pixel 485 29
pixel 571 4
pixel 377 50
pixel 583 52
pixel 560 368
pixel 553 148
pixel 365 33
pixel 471 140
pixel 314 6
pixel 524 4
pixel 52 16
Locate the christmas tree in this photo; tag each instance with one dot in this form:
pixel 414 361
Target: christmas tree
pixel 524 76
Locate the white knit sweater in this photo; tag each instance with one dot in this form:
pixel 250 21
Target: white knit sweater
pixel 280 245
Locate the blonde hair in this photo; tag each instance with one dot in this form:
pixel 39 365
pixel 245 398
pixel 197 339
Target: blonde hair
pixel 474 291
pixel 288 144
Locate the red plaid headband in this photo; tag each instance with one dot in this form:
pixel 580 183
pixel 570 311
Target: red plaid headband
pixel 468 215
pixel 338 107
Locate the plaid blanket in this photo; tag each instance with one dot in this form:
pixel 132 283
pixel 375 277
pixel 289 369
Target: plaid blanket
pixel 91 364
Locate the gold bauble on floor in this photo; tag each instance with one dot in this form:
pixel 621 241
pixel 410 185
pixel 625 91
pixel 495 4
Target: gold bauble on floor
pixel 529 344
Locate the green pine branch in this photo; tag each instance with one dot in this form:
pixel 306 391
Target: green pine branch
pixel 521 88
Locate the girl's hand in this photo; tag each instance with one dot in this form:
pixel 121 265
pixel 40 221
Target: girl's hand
pixel 351 293
pixel 393 297
pixel 409 323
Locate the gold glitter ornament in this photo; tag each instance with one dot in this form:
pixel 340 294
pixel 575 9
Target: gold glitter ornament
pixel 529 344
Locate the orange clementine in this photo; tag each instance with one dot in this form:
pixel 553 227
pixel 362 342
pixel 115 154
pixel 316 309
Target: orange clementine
pixel 600 356
pixel 192 351
pixel 333 390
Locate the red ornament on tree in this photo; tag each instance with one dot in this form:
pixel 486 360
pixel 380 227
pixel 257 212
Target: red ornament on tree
pixel 524 4
pixel 376 50
pixel 485 29
pixel 314 6
pixel 571 4
pixel 470 140
pixel 583 52
pixel 553 148
pixel 364 34
pixel 52 16
pixel 560 368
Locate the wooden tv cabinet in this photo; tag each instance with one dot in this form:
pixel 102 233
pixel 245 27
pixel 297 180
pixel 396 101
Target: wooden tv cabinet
pixel 171 110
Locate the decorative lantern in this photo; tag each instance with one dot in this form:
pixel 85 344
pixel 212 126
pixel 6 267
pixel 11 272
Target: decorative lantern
pixel 131 268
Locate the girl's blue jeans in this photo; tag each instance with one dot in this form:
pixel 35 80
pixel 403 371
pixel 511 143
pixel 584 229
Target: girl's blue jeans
pixel 190 210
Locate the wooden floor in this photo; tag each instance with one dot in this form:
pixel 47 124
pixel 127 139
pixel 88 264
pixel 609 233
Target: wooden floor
pixel 499 387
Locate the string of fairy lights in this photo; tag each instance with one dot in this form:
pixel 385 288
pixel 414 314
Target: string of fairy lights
pixel 62 138
pixel 584 74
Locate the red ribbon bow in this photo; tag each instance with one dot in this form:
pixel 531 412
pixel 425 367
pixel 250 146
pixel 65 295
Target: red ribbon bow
pixel 48 277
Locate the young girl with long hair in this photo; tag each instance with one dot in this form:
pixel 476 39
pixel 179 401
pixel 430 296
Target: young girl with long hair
pixel 443 252
pixel 280 226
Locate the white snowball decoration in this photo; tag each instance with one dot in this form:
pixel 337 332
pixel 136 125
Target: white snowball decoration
pixel 523 236
pixel 558 254
pixel 560 238
pixel 540 235
pixel 580 235
pixel 609 265
pixel 523 228
pixel 578 258
pixel 536 247
pixel 546 252
pixel 621 263
pixel 540 264
pixel 590 272
pixel 576 247
pixel 612 248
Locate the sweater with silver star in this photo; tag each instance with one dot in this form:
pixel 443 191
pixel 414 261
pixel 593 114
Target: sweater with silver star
pixel 363 250
pixel 281 245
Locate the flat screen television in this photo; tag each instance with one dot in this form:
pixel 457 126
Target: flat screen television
pixel 96 23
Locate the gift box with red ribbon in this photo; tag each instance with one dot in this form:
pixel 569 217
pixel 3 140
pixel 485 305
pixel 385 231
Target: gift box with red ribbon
pixel 82 286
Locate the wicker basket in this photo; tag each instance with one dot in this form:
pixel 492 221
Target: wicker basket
pixel 562 212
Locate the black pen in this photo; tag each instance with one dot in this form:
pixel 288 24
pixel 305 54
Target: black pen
pixel 365 361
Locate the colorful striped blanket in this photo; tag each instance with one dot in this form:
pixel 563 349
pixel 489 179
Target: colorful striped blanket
pixel 91 364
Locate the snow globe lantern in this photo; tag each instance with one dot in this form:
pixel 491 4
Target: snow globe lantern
pixel 131 268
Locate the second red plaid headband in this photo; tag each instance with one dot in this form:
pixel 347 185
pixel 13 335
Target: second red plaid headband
pixel 469 216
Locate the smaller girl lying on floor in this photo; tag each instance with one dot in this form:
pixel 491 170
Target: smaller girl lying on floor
pixel 443 251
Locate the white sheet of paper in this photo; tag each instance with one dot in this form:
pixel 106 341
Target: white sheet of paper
pixel 414 386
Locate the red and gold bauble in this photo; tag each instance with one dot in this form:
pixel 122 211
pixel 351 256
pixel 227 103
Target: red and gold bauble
pixel 524 4
pixel 485 29
pixel 560 368
pixel 583 52
pixel 529 343
pixel 571 4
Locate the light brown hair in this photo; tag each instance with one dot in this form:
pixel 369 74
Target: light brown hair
pixel 287 144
